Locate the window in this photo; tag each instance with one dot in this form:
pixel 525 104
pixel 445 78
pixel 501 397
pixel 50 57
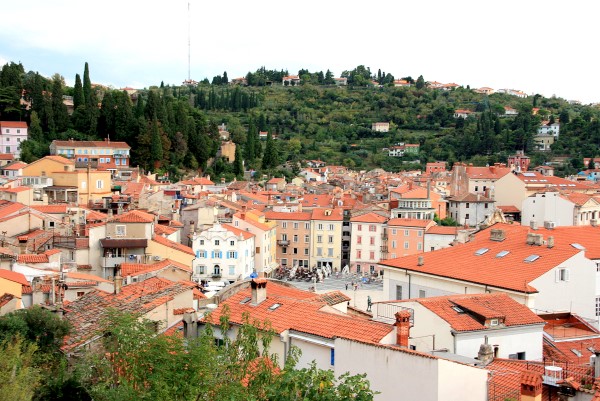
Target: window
pixel 419 246
pixel 420 233
pixel 406 245
pixel 406 233
pixel 99 184
pixel 231 270
pixel 422 294
pixel 358 270
pixel 201 242
pixel 398 292
pixel 394 244
pixel 358 254
pixel 359 240
pixel 8 149
pixel 372 228
pixel 332 356
pixel 295 251
pixel 232 243
pixel 467 205
pixel 330 252
pixel 597 306
pixel 295 238
pixel 372 241
pixel 359 227
pixel 217 242
pixel 330 239
pixel 231 255
pixel 372 255
pixel 393 231
pixel 307 226
pixel 485 205
pixel 320 226
pixel 306 239
pixel 476 188
pixel 284 261
pixel 284 237
pixel 102 160
pixel 562 275
pixel 295 226
pixel 284 250
pixel 80 294
pixel 217 270
pixel 467 216
pixel 120 230
pixel 284 224
pixel 319 239
pixel 331 227
pixel 319 251
pixel 200 254
pixel 306 251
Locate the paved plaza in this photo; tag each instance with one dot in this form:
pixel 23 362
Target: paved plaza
pixel 358 295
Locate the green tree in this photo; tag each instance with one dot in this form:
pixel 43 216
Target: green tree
pixel 270 157
pixel 238 164
pixel 78 98
pixel 87 85
pixel 156 146
pixel 420 82
pixel 19 377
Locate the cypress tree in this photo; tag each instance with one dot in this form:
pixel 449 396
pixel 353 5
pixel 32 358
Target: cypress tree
pixel 238 164
pixel 78 92
pixel 156 148
pixel 270 158
pixel 87 85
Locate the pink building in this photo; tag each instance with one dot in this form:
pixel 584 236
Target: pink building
pixel 293 237
pixel 12 133
pixel 406 236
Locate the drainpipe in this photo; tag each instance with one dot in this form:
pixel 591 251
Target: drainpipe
pixel 409 282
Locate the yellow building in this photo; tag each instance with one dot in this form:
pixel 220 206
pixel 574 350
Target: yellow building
pixel 326 238
pixel 12 283
pixel 228 151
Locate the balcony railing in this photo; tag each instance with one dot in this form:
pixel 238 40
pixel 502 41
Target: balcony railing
pixel 283 242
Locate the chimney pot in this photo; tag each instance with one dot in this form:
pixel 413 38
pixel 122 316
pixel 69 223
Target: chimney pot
pixel 259 290
pixel 550 242
pixel 402 327
pixel 118 283
pixel 420 261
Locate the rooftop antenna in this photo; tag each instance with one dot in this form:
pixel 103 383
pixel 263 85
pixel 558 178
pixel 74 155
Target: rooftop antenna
pixel 189 41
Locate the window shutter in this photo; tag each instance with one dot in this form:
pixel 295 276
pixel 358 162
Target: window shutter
pixel 557 275
pixel 197 254
pixel 212 254
pixel 235 255
pixel 566 274
pixel 226 255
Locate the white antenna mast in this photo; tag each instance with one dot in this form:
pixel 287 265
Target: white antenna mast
pixel 189 40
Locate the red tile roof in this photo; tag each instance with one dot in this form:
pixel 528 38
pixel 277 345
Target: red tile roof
pixel 369 218
pixel 328 214
pixel 397 222
pixel 13 276
pixel 476 308
pixel 134 269
pixel 197 181
pixel 300 311
pixel 51 209
pixel 162 229
pixel 245 234
pixel 92 144
pixel 172 244
pixel 13 124
pixel 134 216
pixel 298 216
pixel 442 230
pixel 6 298
pixel 508 272
pixel 32 258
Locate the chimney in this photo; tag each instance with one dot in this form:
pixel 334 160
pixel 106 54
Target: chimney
pixel 486 353
pixel 531 386
pixel 420 261
pixel 597 363
pixel 533 225
pixel 118 283
pixel 402 328
pixel 190 323
pixel 497 235
pixel 259 290
pixel 550 242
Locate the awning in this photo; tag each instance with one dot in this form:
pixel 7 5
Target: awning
pixel 123 243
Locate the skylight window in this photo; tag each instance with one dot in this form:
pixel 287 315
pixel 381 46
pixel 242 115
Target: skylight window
pixel 274 306
pixel 532 258
pixel 576 352
pixel 578 246
pixel 502 254
pixel 245 300
pixel 591 349
pixel 458 309
pixel 481 251
pixel 528 174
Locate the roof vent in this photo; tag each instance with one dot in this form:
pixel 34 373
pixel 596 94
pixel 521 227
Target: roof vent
pixel 420 261
pixel 550 242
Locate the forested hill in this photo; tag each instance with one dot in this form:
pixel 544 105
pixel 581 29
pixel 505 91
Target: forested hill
pixel 175 128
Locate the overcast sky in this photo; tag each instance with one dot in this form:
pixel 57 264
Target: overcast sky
pixel 548 47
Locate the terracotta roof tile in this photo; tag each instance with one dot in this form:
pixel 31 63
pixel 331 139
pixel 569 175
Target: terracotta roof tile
pixel 32 258
pixel 172 244
pixel 509 272
pixel 288 308
pixel 13 276
pixel 369 218
pixel 134 216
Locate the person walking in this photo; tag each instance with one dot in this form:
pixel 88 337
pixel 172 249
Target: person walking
pixel 369 303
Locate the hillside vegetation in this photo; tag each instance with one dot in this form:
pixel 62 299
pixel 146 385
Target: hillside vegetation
pixel 174 129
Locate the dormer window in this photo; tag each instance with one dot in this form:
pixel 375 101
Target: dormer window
pixel 494 322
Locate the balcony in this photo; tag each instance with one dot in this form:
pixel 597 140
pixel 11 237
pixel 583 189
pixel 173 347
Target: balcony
pixel 113 261
pixel 120 156
pixel 283 242
pixel 384 248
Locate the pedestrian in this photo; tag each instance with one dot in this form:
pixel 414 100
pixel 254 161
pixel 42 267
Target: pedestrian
pixel 369 303
pixel 346 286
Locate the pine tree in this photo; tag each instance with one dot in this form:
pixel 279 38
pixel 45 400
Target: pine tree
pixel 420 82
pixel 78 99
